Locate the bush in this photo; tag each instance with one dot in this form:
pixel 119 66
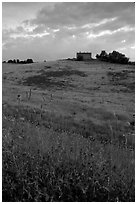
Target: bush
pixel 131 63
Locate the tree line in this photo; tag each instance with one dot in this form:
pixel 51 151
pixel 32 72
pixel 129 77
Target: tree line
pixel 114 57
pixel 19 62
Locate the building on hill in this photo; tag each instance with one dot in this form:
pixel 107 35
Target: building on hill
pixel 81 56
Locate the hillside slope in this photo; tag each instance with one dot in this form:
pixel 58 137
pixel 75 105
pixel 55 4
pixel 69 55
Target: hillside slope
pixel 68 131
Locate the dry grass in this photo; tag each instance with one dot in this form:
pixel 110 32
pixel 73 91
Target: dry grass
pixel 49 162
pixel 71 144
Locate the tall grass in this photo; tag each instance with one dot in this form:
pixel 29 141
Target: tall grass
pixel 51 158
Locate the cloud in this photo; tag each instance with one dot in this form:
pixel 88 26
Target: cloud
pixel 81 13
pixel 60 29
pixel 123 41
pixel 109 32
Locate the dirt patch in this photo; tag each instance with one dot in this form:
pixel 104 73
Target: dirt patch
pixel 43 82
pixel 62 73
pixel 28 71
pixel 47 67
pixel 48 78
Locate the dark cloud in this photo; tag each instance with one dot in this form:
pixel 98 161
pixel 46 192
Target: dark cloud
pixel 81 13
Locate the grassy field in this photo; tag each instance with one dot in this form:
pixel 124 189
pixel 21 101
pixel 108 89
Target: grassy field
pixel 68 132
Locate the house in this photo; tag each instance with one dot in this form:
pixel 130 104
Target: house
pixel 81 56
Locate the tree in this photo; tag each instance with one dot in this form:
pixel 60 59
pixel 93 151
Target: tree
pixel 10 61
pixel 97 56
pixel 114 57
pixel 117 57
pixel 29 61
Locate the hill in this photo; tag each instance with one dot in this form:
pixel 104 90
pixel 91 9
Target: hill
pixel 68 131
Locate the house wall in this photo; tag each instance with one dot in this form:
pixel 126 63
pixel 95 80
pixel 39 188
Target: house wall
pixel 86 56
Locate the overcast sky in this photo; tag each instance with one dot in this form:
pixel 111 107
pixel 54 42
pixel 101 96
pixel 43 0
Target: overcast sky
pixel 58 30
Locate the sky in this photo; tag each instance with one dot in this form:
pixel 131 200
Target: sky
pixel 57 30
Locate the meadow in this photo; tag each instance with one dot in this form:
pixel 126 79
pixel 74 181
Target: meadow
pixel 68 132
